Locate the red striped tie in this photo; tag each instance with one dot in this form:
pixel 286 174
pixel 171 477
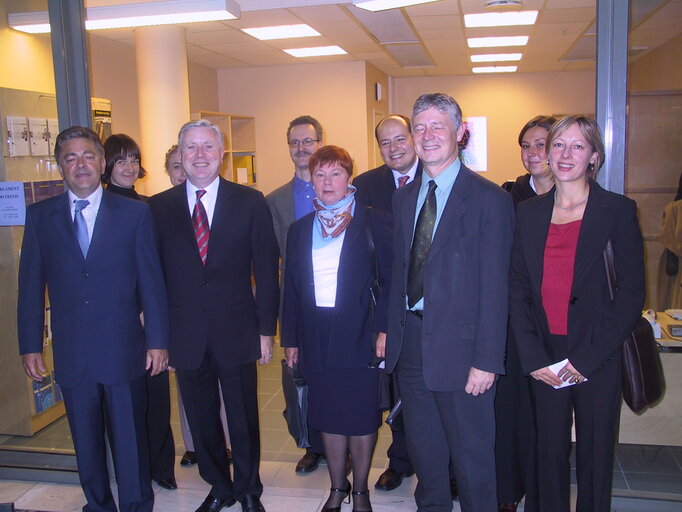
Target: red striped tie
pixel 201 230
pixel 402 181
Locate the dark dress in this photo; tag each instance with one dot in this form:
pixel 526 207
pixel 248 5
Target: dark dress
pixel 336 344
pixel 159 432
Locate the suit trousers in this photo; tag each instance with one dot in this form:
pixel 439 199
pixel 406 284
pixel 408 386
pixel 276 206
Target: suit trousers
pixel 596 405
pixel 200 395
pixel 446 425
pixel 161 444
pixel 91 408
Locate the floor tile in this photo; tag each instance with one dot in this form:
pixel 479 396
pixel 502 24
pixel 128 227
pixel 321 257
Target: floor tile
pixel 52 497
pixel 11 490
pixel 647 459
pixel 658 482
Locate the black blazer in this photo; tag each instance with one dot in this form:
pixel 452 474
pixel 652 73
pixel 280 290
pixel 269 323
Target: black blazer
pixel 465 281
pixel 597 326
pixel 376 187
pixel 352 341
pixel 214 307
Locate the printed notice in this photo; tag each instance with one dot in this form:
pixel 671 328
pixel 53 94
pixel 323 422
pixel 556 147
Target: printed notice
pixel 12 203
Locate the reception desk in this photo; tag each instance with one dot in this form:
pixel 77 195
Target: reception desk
pixel 661 424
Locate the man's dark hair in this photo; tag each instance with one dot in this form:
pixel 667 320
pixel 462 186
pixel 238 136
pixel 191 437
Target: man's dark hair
pixel 306 120
pixel 76 132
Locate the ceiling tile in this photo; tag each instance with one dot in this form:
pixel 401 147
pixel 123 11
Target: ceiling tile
pixel 442 8
pixel 567 15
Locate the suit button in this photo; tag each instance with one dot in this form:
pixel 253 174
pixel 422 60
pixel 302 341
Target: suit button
pixel 403 295
pixel 402 323
pixel 204 283
pixel 85 274
pixel 86 301
pixel 573 300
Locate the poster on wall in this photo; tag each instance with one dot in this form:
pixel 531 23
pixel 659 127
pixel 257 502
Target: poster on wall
pixel 473 148
pixel 12 203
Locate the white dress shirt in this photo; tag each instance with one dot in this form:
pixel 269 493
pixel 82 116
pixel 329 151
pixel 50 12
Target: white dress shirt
pixel 208 200
pixel 410 174
pixel 90 211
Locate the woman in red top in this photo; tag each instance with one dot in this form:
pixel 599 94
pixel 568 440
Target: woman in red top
pixel 561 314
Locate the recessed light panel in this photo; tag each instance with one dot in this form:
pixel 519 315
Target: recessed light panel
pixel 500 19
pixel 495 69
pixel 281 32
pixel 382 5
pixel 315 51
pixel 491 42
pixel 496 57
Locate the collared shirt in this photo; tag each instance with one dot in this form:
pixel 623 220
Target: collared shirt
pixel 531 182
pixel 303 197
pixel 410 174
pixel 90 211
pixel 208 200
pixel 444 182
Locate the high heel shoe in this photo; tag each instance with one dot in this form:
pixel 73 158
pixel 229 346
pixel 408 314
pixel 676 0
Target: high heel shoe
pixel 346 498
pixel 361 493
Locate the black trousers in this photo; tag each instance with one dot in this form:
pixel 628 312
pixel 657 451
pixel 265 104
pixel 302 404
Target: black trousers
pixel 93 408
pixel 515 435
pixel 199 389
pixel 596 405
pixel 441 426
pixel 161 444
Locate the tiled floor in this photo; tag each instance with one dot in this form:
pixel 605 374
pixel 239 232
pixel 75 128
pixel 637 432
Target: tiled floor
pixel 651 473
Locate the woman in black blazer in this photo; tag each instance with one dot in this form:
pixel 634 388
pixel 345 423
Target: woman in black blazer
pixel 561 312
pixel 328 324
pixel 122 170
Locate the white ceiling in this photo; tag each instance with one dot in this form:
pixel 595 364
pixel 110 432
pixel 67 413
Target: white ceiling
pixel 562 39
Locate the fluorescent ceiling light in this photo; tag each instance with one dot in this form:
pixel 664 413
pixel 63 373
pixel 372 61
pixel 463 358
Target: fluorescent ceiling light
pixel 281 32
pixel 488 42
pixel 167 12
pixel 315 51
pixel 500 19
pixel 495 69
pixel 382 5
pixel 496 57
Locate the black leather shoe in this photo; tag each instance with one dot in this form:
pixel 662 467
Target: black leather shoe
pixel 309 462
pixel 508 507
pixel 213 504
pixel 167 483
pixel 453 489
pixel 188 459
pixel 345 491
pixel 361 493
pixel 391 479
pixel 229 456
pixel 252 503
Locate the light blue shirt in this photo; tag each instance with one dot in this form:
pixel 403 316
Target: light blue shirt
pixel 444 182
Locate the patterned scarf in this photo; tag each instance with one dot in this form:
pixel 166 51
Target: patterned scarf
pixel 334 219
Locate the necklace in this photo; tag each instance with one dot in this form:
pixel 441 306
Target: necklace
pixel 571 207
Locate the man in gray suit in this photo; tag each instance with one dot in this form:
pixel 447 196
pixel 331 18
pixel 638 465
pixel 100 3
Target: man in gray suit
pixel 447 325
pixel 288 203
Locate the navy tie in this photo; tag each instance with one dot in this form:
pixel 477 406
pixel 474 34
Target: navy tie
pixel 80 227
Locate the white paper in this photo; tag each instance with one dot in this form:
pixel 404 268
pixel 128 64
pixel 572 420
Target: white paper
pixel 555 370
pixel 12 203
pixel 242 175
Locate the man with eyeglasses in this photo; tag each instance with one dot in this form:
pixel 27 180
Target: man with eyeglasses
pixel 288 203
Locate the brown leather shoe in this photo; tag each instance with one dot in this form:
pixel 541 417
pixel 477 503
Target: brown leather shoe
pixel 390 479
pixel 309 462
pixel 507 507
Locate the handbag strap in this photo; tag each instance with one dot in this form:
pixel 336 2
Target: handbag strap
pixel 372 249
pixel 610 268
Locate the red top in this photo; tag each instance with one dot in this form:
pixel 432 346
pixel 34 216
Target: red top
pixel 557 275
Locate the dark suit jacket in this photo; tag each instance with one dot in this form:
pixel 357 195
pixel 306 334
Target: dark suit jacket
pixel 597 326
pixel 95 302
pixel 376 187
pixel 352 340
pixel 281 203
pixel 465 281
pixel 213 307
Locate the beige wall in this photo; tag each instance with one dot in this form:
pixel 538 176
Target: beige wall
pixel 333 93
pixel 375 110
pixel 508 102
pixel 658 70
pixel 25 60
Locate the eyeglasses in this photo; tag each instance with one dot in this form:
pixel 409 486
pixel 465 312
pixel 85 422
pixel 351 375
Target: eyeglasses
pixel 306 142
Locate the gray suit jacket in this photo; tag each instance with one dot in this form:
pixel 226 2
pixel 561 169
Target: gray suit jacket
pixel 465 281
pixel 281 203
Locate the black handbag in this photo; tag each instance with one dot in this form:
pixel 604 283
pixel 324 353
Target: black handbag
pixel 643 379
pixel 296 401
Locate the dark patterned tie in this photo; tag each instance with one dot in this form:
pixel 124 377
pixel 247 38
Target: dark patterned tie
pixel 80 227
pixel 402 181
pixel 423 232
pixel 201 230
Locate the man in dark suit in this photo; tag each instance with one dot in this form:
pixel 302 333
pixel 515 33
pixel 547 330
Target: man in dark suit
pixel 288 203
pixel 214 236
pixel 95 253
pixel 375 189
pixel 401 165
pixel 448 312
